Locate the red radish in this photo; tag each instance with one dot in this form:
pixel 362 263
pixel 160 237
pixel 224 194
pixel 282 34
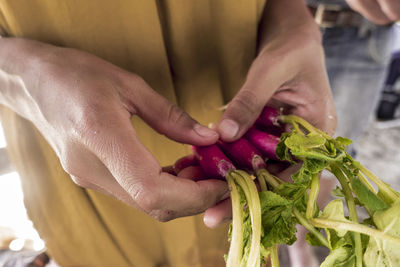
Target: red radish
pixel 268 117
pixel 169 169
pixel 194 173
pixel 274 130
pixel 213 161
pixel 244 154
pixel 264 142
pixel 184 162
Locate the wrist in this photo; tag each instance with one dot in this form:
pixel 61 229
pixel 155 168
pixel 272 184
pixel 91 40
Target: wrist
pixel 20 72
pixel 22 56
pixel 287 17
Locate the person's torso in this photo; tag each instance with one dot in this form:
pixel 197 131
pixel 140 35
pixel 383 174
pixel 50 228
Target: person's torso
pixel 194 53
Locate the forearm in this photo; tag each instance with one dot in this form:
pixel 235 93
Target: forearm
pixel 286 16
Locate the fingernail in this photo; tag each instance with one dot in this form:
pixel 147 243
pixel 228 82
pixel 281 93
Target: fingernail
pixel 210 222
pixel 204 131
pixel 228 128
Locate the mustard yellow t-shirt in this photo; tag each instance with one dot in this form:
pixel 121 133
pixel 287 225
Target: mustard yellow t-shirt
pixel 196 53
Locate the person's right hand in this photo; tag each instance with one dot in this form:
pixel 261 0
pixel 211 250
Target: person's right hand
pixel 378 11
pixel 82 105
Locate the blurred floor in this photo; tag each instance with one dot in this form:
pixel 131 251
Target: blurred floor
pixel 379 150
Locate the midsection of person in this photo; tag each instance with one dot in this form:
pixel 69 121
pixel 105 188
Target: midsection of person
pixel 153 39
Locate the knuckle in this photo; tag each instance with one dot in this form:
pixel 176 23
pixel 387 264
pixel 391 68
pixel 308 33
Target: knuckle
pixel 146 195
pixel 246 101
pixel 163 216
pixel 87 121
pixel 132 78
pixel 90 119
pixel 175 115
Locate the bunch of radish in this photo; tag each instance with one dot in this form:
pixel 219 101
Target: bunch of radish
pixel 265 209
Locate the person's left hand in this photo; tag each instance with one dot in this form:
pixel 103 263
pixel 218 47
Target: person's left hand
pixel 289 72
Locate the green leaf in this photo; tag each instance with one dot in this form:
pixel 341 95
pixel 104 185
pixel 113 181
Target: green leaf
pixel 343 141
pixel 282 151
pixel 337 241
pixel 389 220
pixel 337 192
pixel 366 197
pixel 278 222
pixel 342 253
pixel 270 199
pixel 312 146
pixel 368 221
pixel 334 211
pixel 246 228
pixel 295 192
pixel 302 176
pixel 301 142
pixel 364 241
pixel 383 252
pixel 315 165
pixel 340 257
pixel 308 169
pixel 313 241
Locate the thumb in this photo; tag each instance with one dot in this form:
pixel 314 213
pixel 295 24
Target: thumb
pixel 261 83
pixel 170 120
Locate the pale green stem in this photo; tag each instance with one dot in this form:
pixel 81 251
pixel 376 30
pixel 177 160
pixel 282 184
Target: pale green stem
pixel 354 227
pixel 261 182
pixel 253 201
pixel 296 127
pixel 383 187
pixel 352 210
pixel 295 119
pixel 269 178
pixel 312 197
pixel 365 181
pixel 303 221
pixel 274 256
pixel 236 247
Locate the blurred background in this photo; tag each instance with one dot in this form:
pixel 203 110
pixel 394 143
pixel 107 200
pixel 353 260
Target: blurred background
pixel 378 147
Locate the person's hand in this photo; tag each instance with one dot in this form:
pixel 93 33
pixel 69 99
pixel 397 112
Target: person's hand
pixel 82 105
pixel 378 11
pixel 289 72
